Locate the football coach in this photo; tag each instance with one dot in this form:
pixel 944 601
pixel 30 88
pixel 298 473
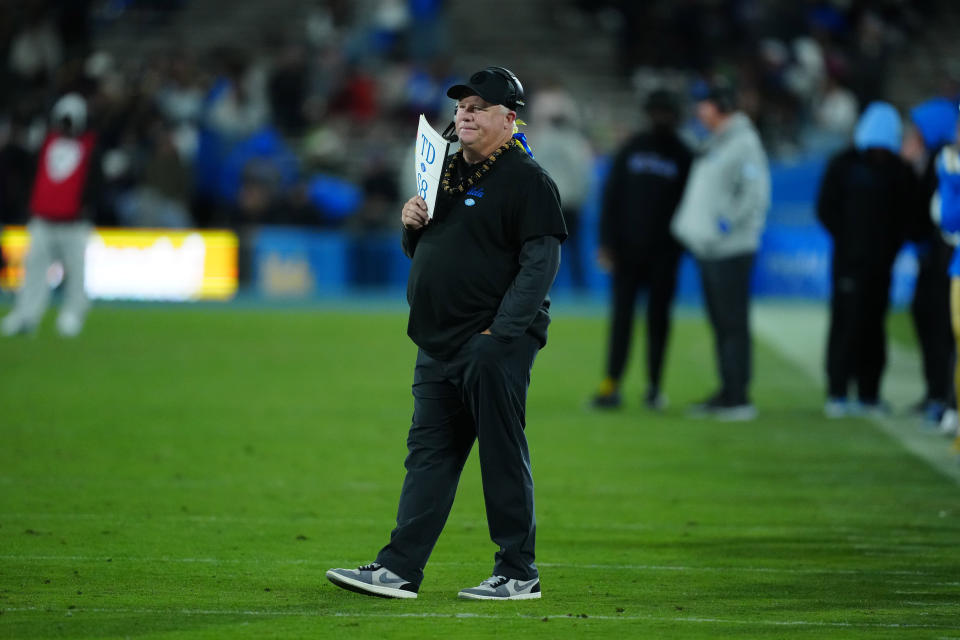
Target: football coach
pixel 481 271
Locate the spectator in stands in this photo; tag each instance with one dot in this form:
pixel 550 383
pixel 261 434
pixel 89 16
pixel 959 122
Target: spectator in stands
pixel 645 184
pixel 238 105
pixel 58 229
pixel 179 99
pixel 565 152
pixel 36 50
pixel 934 124
pixel 867 199
pixel 16 171
pixel 870 56
pixel 372 226
pixel 835 112
pixel 162 195
pixel 287 89
pixel 719 220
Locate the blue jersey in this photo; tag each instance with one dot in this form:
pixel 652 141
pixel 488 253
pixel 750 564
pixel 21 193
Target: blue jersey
pixel 945 207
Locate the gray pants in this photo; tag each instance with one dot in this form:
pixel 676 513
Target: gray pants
pixel 480 394
pixel 726 288
pixel 66 243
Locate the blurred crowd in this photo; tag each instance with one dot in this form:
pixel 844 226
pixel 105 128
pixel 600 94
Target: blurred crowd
pixel 309 123
pixel 304 126
pixel 805 70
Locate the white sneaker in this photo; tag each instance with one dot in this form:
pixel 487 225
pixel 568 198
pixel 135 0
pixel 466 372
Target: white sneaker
pixel 837 408
pixel 372 579
pixel 500 588
pixel 69 324
pixel 736 413
pixel 12 325
pixel 949 423
pixel 877 409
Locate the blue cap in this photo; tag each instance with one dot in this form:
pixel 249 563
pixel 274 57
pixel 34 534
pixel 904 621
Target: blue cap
pixel 936 119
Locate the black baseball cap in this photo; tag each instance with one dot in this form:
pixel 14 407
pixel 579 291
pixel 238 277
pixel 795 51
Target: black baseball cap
pixel 662 101
pixel 496 85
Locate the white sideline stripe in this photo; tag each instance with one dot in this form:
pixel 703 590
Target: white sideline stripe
pixel 851 532
pixel 485 616
pixel 547 565
pixel 814 571
pixel 799 333
pixel 161 559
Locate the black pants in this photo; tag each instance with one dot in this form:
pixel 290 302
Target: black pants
pixel 480 394
pixel 659 277
pixel 857 345
pixel 726 289
pixel 931 320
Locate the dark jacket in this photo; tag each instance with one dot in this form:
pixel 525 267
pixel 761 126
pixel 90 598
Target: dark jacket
pixel 645 184
pixel 868 202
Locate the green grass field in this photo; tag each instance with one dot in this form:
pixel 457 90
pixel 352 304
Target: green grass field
pixel 191 472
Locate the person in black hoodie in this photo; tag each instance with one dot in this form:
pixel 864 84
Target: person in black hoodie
pixel 645 185
pixel 867 202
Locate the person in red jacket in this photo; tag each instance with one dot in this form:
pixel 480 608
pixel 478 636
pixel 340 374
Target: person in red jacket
pixel 58 227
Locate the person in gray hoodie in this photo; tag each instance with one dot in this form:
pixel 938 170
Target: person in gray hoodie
pixel 719 220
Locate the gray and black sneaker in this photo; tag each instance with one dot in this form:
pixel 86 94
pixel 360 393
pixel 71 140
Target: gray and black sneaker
pixel 372 579
pixel 500 588
pixel 706 408
pixel 655 400
pixel 724 410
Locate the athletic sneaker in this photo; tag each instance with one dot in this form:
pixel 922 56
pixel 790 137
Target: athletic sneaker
pixel 723 410
pixel 736 413
pixel 12 325
pixel 500 588
pixel 69 324
pixel 608 395
pixel 949 423
pixel 655 400
pixel 838 408
pixel 933 414
pixel 372 579
pixel 706 407
pixel 873 409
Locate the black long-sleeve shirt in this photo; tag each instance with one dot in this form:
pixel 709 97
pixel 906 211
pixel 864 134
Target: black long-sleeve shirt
pixel 487 259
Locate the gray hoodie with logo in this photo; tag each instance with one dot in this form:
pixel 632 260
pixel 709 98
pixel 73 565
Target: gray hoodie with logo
pixel 725 203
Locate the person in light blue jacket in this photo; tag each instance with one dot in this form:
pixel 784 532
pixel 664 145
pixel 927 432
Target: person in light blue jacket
pixel 719 220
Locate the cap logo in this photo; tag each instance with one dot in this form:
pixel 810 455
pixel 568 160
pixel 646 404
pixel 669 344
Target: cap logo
pixel 478 78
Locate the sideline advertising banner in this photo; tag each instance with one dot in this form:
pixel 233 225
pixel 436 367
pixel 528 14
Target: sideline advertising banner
pixel 141 264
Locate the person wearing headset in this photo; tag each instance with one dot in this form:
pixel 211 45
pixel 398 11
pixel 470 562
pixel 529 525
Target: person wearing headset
pixel 481 271
pixel 719 220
